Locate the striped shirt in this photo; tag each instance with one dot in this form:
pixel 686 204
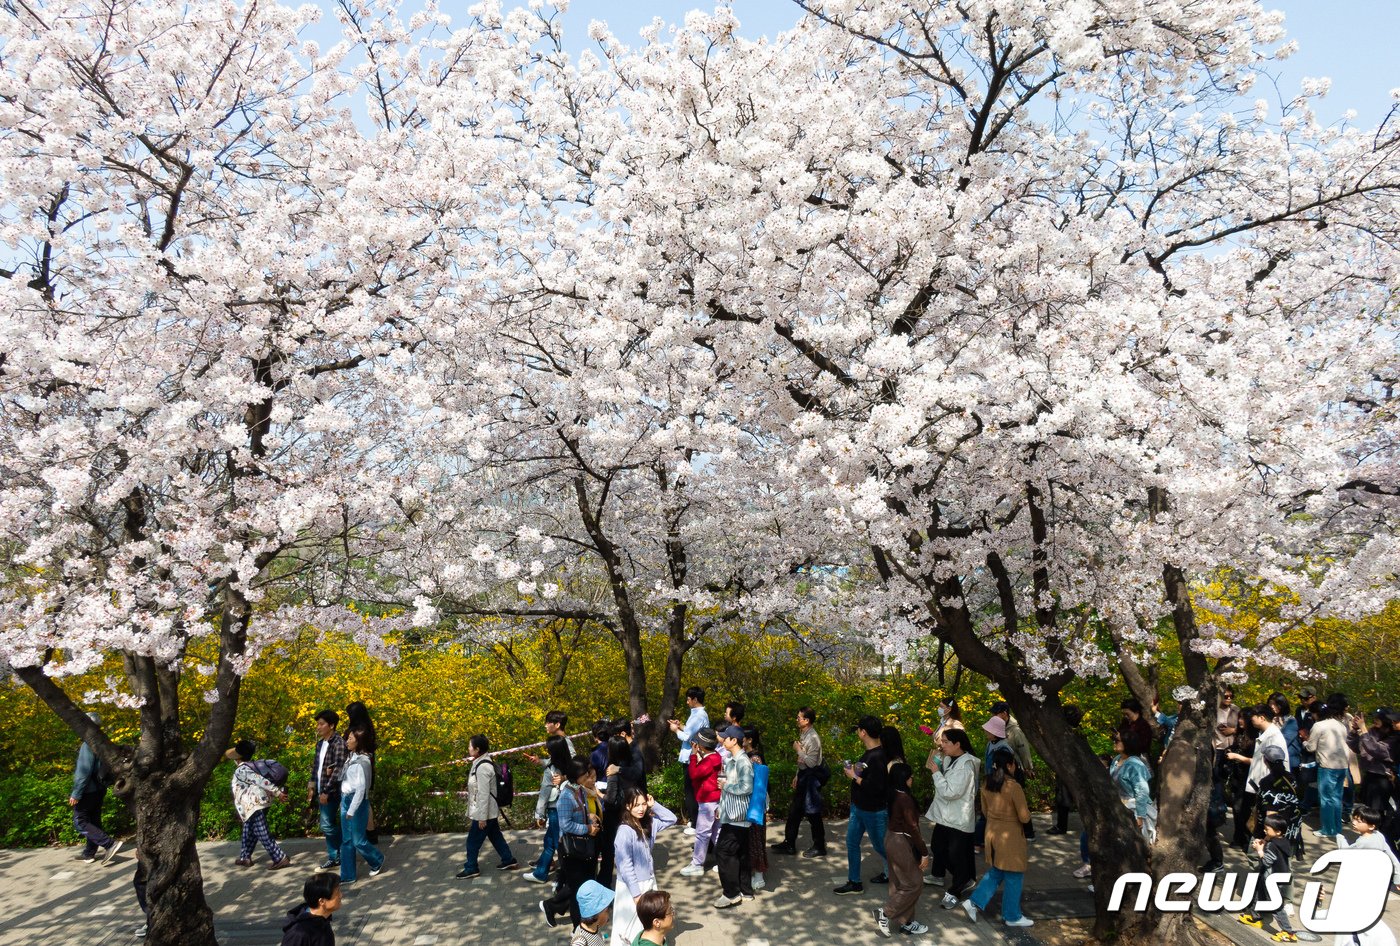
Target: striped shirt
pixel 738 786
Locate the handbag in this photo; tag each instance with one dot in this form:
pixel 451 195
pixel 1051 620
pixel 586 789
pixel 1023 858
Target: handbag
pixel 578 846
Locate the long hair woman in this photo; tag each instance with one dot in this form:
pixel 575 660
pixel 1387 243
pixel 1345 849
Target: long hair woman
pixel 906 854
pixel 643 818
pixel 357 719
pixel 557 763
pixel 355 783
pixel 619 777
pixel 1133 779
pixel 1004 803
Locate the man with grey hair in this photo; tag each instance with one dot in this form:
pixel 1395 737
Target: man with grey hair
pixel 90 781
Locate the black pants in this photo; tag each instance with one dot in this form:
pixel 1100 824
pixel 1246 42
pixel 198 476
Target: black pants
pixel 690 808
pixel 138 883
pixel 612 817
pixel 735 874
pixel 1244 807
pixel 1305 779
pixel 797 809
pixel 573 872
pixel 1215 820
pixel 87 820
pixel 1375 791
pixel 951 853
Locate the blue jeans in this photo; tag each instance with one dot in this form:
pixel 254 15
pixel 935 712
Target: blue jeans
pixel 864 822
pixel 477 835
pixel 551 841
pixel 1329 799
pixel 1010 894
pixel 330 827
pixel 353 831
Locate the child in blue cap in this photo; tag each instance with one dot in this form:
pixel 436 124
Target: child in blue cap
pixel 595 910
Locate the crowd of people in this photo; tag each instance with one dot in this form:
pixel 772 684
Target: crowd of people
pixel 600 822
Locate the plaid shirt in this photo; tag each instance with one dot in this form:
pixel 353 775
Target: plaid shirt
pixel 333 766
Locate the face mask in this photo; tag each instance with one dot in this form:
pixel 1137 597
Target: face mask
pixel 942 712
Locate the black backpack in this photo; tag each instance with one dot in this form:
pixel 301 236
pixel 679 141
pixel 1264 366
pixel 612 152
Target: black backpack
pixel 272 770
pixel 505 784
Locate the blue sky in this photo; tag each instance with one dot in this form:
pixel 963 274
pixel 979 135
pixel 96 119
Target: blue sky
pixel 1351 41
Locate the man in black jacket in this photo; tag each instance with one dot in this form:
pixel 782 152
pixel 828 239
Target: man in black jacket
pixel 869 804
pixel 310 923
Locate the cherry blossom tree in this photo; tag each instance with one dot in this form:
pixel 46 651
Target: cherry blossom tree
pixel 596 478
pixel 1002 322
pixel 220 297
pixel 1034 304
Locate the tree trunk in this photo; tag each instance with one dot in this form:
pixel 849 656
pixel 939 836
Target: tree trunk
pixel 167 823
pixel 677 647
pixel 1118 845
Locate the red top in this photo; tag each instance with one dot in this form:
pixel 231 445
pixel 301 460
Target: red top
pixel 703 773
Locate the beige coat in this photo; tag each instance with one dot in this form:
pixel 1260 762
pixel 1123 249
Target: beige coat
pixel 1006 811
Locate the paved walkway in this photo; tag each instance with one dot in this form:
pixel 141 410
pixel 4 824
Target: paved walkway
pixel 49 899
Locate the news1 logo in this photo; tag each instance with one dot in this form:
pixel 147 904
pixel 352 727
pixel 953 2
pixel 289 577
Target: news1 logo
pixel 1358 896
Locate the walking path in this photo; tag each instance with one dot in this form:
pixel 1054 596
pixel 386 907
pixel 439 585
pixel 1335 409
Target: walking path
pixel 49 899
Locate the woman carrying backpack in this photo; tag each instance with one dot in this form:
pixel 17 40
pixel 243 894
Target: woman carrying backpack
pixel 483 810
pixel 252 793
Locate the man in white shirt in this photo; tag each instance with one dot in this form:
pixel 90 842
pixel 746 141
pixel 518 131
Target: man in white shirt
pixel 697 720
pixel 1328 741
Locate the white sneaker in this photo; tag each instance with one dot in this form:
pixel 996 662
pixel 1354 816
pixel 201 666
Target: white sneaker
pixel 690 832
pixel 882 923
pixel 1083 871
pixel 949 901
pixel 722 901
pixel 692 870
pixel 913 928
pixel 1023 922
pixel 112 850
pixel 713 870
pixel 758 882
pixel 970 909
